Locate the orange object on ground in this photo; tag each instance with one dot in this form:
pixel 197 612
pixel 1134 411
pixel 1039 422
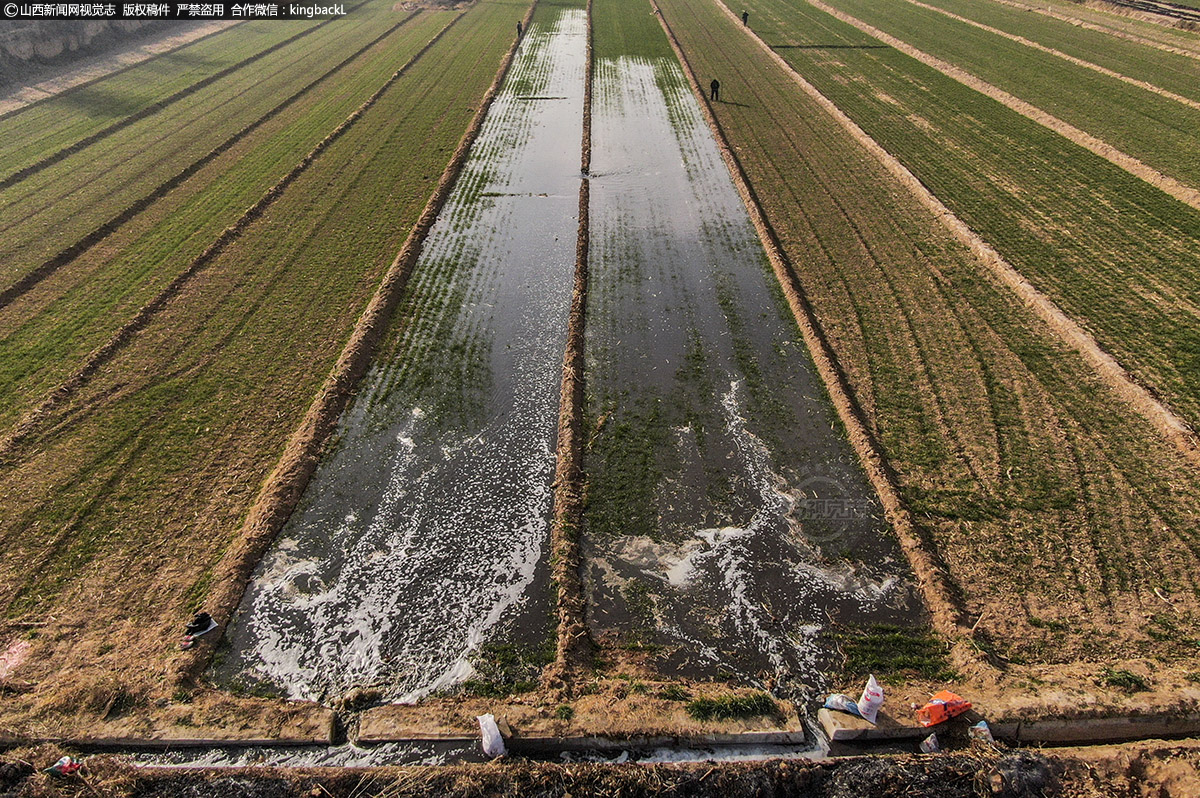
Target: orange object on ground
pixel 942 707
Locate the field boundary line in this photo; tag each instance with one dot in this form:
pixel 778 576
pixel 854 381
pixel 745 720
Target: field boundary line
pixel 282 489
pixel 104 230
pixel 1186 194
pixel 14 105
pixel 13 178
pixel 946 614
pixel 574 643
pixel 1120 34
pixel 1066 329
pixel 1141 84
pixel 104 353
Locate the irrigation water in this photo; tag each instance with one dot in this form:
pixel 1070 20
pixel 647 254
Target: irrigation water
pixel 423 535
pixel 728 520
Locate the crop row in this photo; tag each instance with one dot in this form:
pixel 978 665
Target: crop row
pixel 53 326
pixel 1028 477
pixel 1156 130
pixel 139 485
pixel 1171 71
pixel 1113 252
pixel 72 196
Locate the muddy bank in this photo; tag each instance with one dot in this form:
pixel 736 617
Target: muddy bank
pixel 728 520
pixel 423 535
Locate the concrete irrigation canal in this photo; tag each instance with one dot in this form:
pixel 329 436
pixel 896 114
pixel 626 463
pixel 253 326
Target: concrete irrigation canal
pixel 424 531
pixel 727 519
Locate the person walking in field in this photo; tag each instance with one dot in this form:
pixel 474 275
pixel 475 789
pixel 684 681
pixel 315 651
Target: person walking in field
pixel 745 17
pixel 714 90
pixel 519 28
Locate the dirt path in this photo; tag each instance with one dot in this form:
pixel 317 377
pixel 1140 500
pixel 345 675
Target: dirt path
pixel 103 66
pixel 1115 376
pixel 1180 191
pixel 1120 34
pixel 1141 84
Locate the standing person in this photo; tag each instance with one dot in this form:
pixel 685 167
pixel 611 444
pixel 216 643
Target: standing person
pixel 745 17
pixel 518 28
pixel 714 90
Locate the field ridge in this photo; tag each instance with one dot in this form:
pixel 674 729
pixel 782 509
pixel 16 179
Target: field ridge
pixel 17 102
pixel 1141 399
pixel 105 352
pixel 945 609
pixel 1186 194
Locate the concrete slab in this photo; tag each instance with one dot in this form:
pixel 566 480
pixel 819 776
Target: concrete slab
pixel 841 726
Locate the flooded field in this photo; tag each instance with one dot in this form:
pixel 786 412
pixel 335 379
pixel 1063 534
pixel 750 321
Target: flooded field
pixel 422 538
pixel 728 520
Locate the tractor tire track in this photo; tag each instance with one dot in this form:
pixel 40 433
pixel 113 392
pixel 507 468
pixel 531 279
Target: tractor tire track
pixel 1112 373
pixel 1186 194
pixel 281 491
pixel 32 169
pixel 56 396
pixel 105 229
pixel 931 574
pixel 1141 84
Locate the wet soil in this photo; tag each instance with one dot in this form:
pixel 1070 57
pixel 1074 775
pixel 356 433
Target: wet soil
pixel 728 520
pixel 423 535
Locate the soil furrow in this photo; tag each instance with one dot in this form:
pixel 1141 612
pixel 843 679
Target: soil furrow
pixel 28 171
pixel 1141 84
pixel 104 230
pixel 1163 419
pixel 104 353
